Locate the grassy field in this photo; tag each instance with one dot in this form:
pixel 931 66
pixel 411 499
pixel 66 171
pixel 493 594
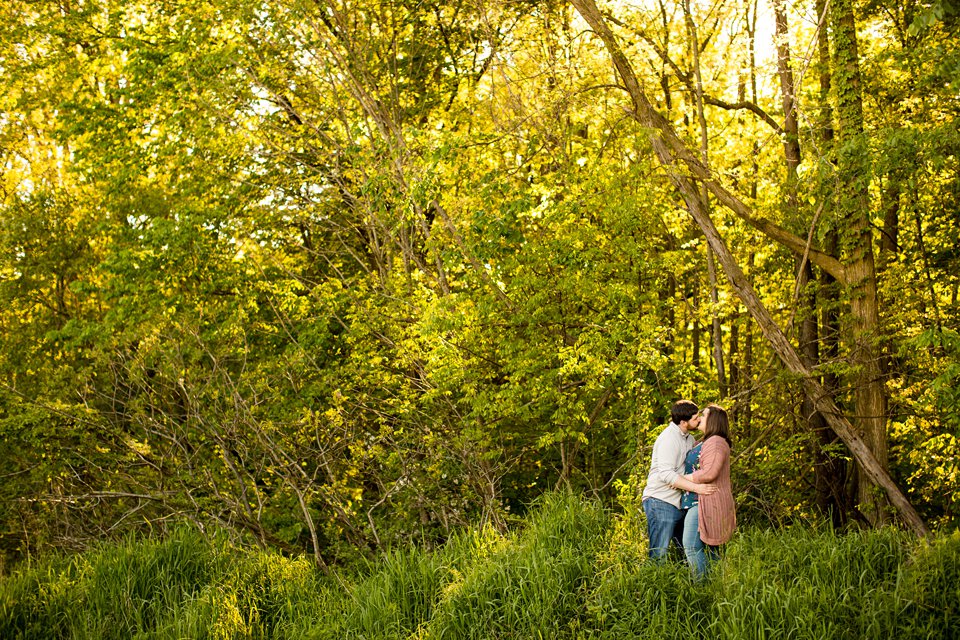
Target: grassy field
pixel 571 571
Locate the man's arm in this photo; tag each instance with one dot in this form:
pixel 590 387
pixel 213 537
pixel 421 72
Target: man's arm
pixel 663 464
pixel 666 452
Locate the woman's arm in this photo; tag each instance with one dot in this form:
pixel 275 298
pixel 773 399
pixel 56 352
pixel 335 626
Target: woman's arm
pixel 703 489
pixel 712 456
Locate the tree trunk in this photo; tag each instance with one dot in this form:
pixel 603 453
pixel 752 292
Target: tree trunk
pixel 853 208
pixel 791 139
pixel 716 332
pixel 828 479
pixel 832 469
pixel 750 19
pixel 668 301
pixel 890 238
pixel 825 124
pixel 733 355
pixel 748 359
pixel 829 470
pixel 695 360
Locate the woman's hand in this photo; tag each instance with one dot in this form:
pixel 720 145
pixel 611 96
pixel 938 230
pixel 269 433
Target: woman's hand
pixel 705 489
pixel 702 488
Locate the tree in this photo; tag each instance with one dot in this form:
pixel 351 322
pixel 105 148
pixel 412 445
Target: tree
pixel 668 148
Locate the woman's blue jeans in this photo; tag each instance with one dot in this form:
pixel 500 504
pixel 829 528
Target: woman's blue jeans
pixel 699 555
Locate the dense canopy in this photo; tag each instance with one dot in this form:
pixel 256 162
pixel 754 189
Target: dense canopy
pixel 337 275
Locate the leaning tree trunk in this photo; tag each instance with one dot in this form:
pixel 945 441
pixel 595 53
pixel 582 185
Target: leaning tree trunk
pixel 669 148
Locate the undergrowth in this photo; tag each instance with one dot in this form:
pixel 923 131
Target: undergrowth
pixel 571 571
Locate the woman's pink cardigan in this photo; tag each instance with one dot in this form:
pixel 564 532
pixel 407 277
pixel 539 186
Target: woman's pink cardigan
pixel 718 516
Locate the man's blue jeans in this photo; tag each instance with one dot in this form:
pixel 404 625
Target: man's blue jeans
pixel 663 521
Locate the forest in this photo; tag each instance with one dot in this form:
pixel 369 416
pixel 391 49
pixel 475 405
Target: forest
pixel 335 278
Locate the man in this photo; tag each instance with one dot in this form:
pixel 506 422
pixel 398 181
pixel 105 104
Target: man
pixel 661 497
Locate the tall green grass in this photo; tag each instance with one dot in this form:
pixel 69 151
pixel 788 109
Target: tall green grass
pixel 107 592
pixel 572 570
pixel 816 585
pixel 528 585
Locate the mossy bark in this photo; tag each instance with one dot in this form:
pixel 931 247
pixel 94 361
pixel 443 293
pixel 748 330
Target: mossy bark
pixel 853 209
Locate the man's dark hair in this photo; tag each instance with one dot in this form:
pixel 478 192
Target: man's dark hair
pixel 683 410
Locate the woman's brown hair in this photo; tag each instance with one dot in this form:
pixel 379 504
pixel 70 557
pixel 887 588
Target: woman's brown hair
pixel 718 424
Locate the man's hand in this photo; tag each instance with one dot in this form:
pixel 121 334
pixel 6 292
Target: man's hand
pixel 705 489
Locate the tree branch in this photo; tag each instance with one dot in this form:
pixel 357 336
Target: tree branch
pixel 749 106
pixel 685 78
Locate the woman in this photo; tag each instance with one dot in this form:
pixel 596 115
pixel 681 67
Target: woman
pixel 710 519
